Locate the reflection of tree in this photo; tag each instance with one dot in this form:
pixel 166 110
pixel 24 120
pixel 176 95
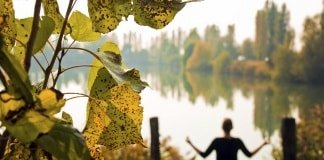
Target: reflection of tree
pixel 209 87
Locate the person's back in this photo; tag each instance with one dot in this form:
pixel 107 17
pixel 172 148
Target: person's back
pixel 227 146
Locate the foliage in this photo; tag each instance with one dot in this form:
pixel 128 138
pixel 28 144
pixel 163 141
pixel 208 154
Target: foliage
pixel 250 69
pixel 310 135
pixel 222 62
pixel 200 57
pixel 28 112
pixel 271 29
pixel 138 152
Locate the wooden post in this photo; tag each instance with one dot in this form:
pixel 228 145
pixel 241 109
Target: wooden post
pixel 288 135
pixel 155 142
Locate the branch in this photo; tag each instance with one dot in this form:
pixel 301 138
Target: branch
pixel 86 50
pixel 78 66
pixel 40 65
pixel 32 37
pixel 58 46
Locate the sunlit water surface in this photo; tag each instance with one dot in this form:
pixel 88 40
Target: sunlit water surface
pixel 179 118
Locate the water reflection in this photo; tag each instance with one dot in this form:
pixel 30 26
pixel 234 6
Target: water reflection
pixel 272 101
pixel 257 105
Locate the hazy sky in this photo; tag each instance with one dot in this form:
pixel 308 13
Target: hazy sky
pixel 220 12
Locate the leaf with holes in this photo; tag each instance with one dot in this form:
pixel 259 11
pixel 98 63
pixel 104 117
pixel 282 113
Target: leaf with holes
pixel 106 15
pixel 82 28
pixel 114 114
pixel 156 13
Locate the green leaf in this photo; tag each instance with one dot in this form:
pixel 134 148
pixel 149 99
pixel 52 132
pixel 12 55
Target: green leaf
pixel 109 55
pixel 24 27
pixel 67 117
pixel 51 101
pixel 7 24
pixel 16 73
pixel 64 142
pixel 29 126
pixel 44 32
pixel 82 28
pixel 115 115
pixel 52 10
pixel 156 13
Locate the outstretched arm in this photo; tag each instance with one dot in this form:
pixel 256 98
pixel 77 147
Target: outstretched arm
pixel 203 154
pixel 248 153
pixel 257 149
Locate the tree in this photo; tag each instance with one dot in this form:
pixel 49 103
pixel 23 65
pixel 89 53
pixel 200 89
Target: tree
pixel 27 111
pixel 310 60
pixel 246 49
pixel 272 30
pixel 189 44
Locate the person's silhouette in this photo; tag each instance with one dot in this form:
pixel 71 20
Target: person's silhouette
pixel 226 147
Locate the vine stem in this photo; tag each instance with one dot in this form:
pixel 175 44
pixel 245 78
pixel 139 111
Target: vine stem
pixel 59 44
pixel 33 34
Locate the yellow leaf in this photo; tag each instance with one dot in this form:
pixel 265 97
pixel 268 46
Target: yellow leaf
pixel 51 100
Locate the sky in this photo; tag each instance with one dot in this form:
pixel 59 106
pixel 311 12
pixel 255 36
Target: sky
pixel 199 14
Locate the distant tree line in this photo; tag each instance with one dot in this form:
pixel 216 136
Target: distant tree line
pixel 270 55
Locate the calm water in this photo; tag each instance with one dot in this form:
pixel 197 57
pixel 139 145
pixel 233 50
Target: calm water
pixel 195 105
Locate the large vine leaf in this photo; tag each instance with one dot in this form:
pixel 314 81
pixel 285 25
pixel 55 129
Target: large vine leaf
pixel 82 28
pixel 109 55
pixel 64 142
pixel 52 10
pixel 106 14
pixel 115 115
pixel 7 23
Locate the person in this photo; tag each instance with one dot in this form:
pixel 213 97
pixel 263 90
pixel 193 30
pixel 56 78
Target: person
pixel 227 146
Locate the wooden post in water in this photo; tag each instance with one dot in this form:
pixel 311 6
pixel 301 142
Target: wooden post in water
pixel 288 135
pixel 155 142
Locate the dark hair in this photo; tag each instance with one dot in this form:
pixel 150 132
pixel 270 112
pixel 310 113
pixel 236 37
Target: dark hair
pixel 227 125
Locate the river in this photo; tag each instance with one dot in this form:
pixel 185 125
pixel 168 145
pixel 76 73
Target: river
pixel 195 104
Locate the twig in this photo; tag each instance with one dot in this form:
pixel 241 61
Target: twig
pixel 78 66
pixel 32 38
pixel 40 65
pixel 58 46
pixel 86 50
